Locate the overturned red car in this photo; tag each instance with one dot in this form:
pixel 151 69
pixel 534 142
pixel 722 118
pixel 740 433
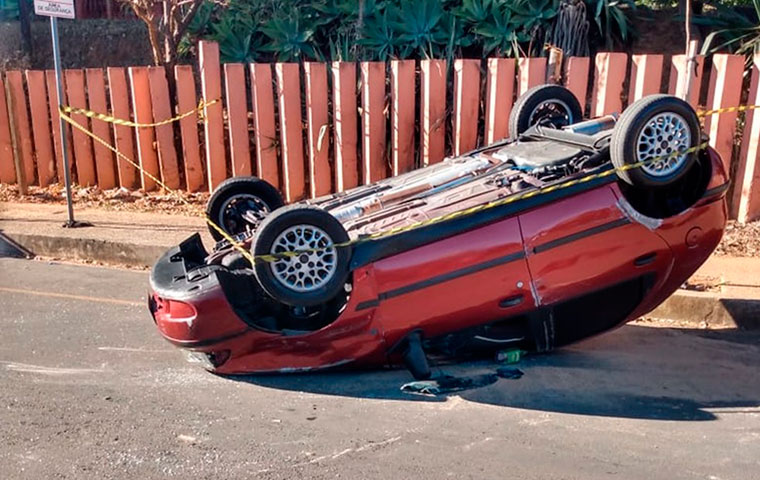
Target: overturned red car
pixel 565 230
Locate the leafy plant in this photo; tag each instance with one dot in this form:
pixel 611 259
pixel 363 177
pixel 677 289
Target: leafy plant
pixel 500 34
pixel 419 26
pixel 380 38
pixel 611 19
pixel 290 37
pixel 733 30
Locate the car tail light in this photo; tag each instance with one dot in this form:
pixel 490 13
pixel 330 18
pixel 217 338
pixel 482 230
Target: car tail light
pixel 180 311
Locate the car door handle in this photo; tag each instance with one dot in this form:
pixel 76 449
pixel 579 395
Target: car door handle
pixel 512 301
pixel 645 259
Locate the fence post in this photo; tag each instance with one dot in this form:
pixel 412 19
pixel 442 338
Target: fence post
pixel 318 128
pixel 402 115
pixel 646 76
pixel 500 88
pixel 725 91
pixel 7 158
pixel 43 146
pixel 17 163
pixel 608 83
pixel 466 104
pixel 237 118
pixel 345 123
pixel 746 197
pixel 20 119
pixel 213 125
pixel 432 111
pixel 374 165
pixel 576 78
pixel 291 130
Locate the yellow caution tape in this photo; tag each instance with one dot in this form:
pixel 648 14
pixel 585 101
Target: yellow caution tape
pixel 246 254
pixel 739 108
pixel 65 109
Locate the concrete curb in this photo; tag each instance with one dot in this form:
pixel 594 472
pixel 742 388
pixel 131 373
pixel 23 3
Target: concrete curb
pixel 87 249
pixel 710 310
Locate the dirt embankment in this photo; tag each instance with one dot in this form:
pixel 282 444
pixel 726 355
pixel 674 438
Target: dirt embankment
pixel 84 43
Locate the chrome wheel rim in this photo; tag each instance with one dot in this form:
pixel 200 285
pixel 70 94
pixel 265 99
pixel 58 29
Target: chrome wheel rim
pixel 660 140
pixel 309 270
pixel 242 210
pixel 554 109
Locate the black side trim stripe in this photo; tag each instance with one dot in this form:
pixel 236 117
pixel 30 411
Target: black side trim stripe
pixel 367 304
pixel 716 190
pixel 441 278
pixel 582 234
pixel 210 341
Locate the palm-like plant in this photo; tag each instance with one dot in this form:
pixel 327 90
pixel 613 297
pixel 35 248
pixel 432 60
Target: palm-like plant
pixel 420 28
pixel 500 33
pixel 290 37
pixel 734 30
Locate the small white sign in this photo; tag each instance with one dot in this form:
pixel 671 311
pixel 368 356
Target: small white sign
pixel 55 8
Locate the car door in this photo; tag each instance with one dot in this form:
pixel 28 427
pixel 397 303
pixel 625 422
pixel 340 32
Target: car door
pixel 465 280
pixel 586 243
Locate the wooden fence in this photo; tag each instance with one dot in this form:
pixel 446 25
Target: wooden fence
pixel 315 128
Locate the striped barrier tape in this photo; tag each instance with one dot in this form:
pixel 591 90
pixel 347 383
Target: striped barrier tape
pixel 65 111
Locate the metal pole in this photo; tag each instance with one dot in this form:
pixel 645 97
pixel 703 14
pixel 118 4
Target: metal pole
pixel 64 150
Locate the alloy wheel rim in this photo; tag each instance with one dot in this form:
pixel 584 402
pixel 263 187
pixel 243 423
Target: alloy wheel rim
pixel 659 142
pixel 309 270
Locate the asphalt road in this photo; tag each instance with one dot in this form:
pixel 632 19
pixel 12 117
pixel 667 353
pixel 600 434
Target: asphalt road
pixel 89 390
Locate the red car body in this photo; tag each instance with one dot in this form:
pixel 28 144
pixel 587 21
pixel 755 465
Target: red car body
pixel 542 267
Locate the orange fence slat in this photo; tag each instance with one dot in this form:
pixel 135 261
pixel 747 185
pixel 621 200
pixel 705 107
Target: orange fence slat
pixel 96 97
pixel 432 111
pixel 43 146
pixel 374 166
pixel 7 167
pixel 21 119
pixel 291 132
pixel 646 76
pixel 345 124
pixel 211 87
pixel 148 159
pixel 123 135
pixel 237 118
pixel 608 83
pixel 747 182
pixel 576 78
pixel 265 133
pixel 191 154
pixel 162 110
pixel 82 152
pixel 52 95
pixel 678 73
pixel 466 103
pixel 402 116
pixel 500 90
pixel 532 72
pixel 318 128
pixel 725 91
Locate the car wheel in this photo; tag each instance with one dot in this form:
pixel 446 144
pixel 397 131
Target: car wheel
pixel 312 277
pixel 551 104
pixel 653 130
pixel 239 204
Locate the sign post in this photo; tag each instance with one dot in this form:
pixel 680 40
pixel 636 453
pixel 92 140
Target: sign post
pixel 62 9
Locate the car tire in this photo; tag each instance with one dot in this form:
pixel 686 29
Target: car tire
pixel 554 103
pixel 654 127
pixel 225 206
pixel 311 278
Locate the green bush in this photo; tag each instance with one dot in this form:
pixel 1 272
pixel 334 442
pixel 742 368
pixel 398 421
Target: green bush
pixel 295 30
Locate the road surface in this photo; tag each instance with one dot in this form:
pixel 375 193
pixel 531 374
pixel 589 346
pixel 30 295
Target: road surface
pixel 88 389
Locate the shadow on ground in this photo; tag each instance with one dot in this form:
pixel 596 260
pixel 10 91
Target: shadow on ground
pixel 634 372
